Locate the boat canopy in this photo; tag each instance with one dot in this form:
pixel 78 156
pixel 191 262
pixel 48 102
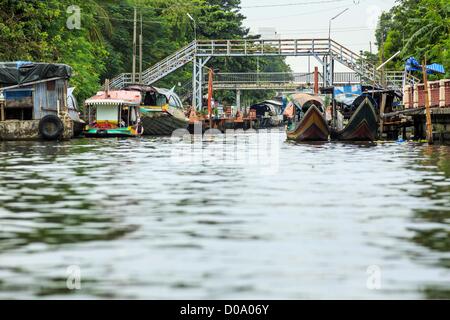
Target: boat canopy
pixel 274 103
pixel 301 99
pixel 23 72
pixel 263 108
pixel 119 97
pixel 153 96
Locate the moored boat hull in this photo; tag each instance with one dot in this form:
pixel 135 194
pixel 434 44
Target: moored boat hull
pixel 363 125
pixel 111 133
pixel 161 123
pixel 313 127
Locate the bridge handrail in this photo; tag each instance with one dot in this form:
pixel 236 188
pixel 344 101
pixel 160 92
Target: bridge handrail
pixel 242 47
pixel 281 77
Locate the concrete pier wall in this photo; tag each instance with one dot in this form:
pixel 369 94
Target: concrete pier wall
pixel 29 129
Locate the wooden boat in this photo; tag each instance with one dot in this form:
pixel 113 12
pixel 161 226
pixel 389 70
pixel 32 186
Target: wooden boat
pixel 162 121
pixel 113 114
pixel 362 126
pixel 313 125
pixel 161 111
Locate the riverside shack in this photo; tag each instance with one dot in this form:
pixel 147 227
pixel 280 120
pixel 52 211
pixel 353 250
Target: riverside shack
pixel 33 101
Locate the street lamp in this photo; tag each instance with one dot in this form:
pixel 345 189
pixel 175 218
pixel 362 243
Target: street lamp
pixel 195 26
pixel 329 27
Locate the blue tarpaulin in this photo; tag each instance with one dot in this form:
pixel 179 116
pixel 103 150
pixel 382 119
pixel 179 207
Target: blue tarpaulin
pixel 347 94
pixel 413 65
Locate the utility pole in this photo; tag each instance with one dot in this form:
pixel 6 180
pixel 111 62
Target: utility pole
pixel 133 74
pixel 141 40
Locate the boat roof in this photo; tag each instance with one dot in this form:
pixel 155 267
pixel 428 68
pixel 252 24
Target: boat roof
pixel 115 97
pixel 274 102
pixel 143 88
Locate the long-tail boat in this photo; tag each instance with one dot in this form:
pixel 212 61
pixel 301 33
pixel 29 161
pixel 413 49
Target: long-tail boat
pixel 362 126
pixel 161 110
pixel 113 114
pixel 312 125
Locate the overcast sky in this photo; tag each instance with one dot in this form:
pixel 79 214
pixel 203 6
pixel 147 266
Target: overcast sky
pixel 354 29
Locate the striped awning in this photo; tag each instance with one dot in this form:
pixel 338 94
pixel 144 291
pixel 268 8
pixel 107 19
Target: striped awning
pixel 112 102
pixel 436 68
pixel 413 65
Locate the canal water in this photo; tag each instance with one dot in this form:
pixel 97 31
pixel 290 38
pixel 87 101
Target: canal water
pixel 135 219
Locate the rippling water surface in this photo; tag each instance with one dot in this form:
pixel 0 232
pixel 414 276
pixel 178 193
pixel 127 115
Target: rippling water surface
pixel 140 224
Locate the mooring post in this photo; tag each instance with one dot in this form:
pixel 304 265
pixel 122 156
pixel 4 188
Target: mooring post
pixel 427 103
pixel 382 108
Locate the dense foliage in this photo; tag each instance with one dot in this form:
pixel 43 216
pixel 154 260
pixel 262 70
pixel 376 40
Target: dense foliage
pixel 419 28
pixel 102 48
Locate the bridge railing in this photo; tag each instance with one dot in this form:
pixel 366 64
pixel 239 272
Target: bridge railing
pixel 259 47
pixel 281 77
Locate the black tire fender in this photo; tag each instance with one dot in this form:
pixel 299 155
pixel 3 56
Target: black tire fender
pixel 53 131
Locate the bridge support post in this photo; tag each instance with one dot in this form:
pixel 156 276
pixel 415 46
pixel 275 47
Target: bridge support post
pixel 238 99
pixel 194 84
pixel 197 82
pixel 328 71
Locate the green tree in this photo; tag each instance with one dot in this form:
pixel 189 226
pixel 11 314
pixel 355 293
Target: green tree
pixel 417 28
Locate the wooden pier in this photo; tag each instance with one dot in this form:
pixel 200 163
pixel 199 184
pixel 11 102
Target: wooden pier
pixel 411 122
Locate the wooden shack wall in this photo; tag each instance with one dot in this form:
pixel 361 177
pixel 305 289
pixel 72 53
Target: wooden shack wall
pixel 46 97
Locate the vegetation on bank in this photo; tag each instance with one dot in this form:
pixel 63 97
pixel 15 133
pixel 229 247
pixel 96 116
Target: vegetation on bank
pixel 102 48
pixel 417 28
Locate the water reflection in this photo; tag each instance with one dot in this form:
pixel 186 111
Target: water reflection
pixel 433 231
pixel 140 225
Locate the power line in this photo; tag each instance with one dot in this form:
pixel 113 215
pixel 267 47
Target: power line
pixel 298 14
pixel 325 29
pixel 130 20
pixel 292 4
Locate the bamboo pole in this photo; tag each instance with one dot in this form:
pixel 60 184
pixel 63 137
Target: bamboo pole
pixel 141 40
pixel 427 103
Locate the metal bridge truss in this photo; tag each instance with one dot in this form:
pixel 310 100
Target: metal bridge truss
pixel 326 51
